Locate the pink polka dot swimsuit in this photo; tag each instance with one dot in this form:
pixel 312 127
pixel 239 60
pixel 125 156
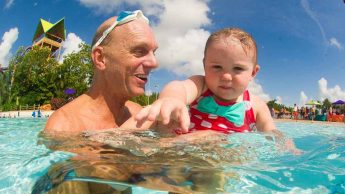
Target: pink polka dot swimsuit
pixel 220 117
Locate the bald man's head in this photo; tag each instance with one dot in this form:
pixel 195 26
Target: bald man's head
pixel 111 23
pixel 99 32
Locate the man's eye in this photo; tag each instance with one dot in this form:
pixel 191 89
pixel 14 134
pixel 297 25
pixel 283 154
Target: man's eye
pixel 140 52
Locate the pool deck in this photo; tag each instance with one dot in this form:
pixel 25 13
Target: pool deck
pixel 24 114
pixel 47 113
pixel 310 121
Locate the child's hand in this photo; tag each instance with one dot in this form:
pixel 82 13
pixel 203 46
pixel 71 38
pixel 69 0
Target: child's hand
pixel 163 110
pixel 284 143
pixel 290 146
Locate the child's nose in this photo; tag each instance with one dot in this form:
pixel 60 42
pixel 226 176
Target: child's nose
pixel 227 77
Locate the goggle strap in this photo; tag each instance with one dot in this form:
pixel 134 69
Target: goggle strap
pixel 122 18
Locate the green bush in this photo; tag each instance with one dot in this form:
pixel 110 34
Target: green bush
pixel 8 107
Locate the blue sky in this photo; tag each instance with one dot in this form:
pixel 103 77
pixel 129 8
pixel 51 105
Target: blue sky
pixel 300 42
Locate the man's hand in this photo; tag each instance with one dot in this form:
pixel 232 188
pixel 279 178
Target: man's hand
pixel 164 110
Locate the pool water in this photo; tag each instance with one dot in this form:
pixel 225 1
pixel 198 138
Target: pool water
pixel 240 163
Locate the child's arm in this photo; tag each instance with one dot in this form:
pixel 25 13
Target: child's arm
pixel 185 91
pixel 264 120
pixel 172 102
pixel 264 123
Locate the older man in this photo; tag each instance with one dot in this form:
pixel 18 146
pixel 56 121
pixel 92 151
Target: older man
pixel 123 56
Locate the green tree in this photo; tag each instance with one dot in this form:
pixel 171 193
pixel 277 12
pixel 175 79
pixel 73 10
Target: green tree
pixel 273 103
pixel 76 71
pixel 33 79
pixel 144 100
pixel 4 86
pixel 326 103
pixel 36 78
pixel 8 76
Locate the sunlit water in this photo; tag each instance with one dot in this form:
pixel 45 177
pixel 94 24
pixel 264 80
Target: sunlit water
pixel 239 163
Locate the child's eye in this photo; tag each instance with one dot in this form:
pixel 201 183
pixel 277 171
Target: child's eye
pixel 217 67
pixel 238 69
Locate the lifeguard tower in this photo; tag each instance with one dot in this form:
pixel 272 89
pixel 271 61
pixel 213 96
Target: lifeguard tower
pixel 50 35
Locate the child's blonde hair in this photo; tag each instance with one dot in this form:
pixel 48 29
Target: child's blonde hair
pixel 246 40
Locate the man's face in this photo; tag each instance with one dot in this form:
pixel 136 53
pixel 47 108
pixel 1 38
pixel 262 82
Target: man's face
pixel 129 58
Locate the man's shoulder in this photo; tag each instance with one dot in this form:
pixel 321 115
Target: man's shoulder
pixel 133 107
pixel 58 120
pixel 63 119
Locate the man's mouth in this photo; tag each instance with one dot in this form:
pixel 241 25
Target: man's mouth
pixel 142 77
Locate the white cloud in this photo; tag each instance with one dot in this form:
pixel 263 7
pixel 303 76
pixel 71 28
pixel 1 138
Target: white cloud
pixel 181 37
pixel 256 89
pixel 312 15
pixel 150 7
pixel 71 44
pixel 178 29
pixel 8 4
pixel 302 99
pixel 332 94
pixel 8 39
pixel 183 54
pixel 334 42
pixel 279 100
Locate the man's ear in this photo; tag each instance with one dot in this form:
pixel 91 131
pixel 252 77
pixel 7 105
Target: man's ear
pixel 255 71
pixel 98 59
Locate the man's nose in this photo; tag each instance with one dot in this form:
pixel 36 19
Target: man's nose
pixel 151 61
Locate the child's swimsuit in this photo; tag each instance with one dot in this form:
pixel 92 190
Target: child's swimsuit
pixel 208 113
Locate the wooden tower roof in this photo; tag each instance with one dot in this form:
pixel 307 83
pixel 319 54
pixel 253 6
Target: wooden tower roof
pixel 55 31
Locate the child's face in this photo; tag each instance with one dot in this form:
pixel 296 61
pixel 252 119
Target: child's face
pixel 228 69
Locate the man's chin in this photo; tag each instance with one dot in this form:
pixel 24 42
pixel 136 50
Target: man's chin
pixel 138 92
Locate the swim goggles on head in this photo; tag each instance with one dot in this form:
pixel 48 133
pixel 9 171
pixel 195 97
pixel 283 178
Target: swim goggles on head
pixel 122 18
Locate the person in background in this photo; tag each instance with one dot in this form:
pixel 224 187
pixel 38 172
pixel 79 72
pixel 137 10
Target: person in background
pixel 330 114
pixel 313 112
pixel 273 114
pixel 301 112
pixel 295 112
pixel 39 112
pixel 281 113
